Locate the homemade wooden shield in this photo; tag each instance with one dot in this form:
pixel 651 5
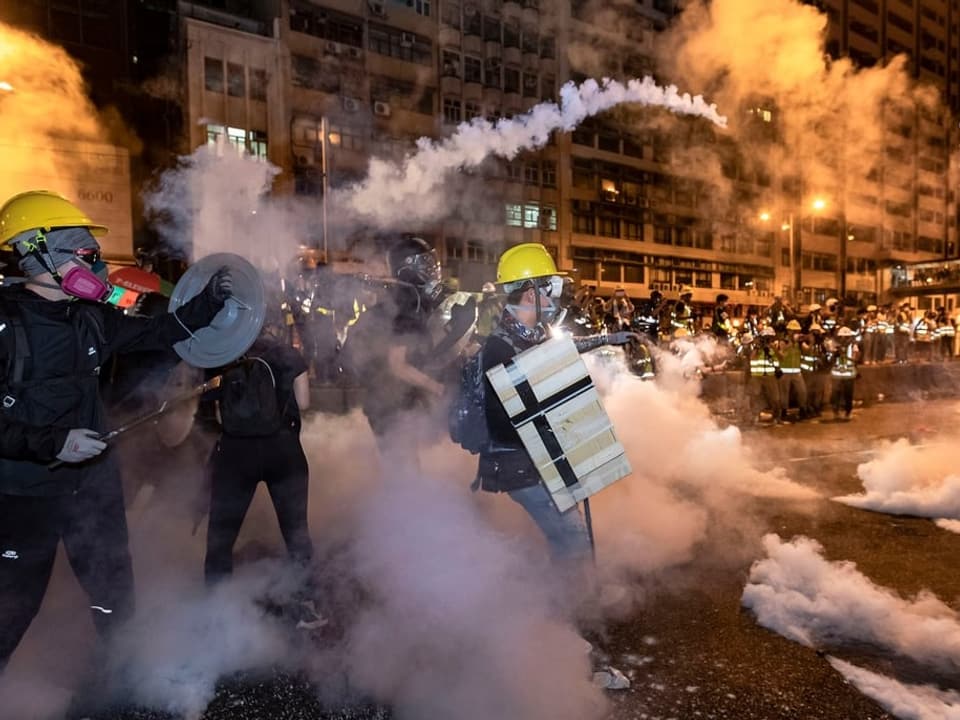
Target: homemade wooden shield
pixel 551 401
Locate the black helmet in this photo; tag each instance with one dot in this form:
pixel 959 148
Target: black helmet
pixel 656 296
pixel 412 260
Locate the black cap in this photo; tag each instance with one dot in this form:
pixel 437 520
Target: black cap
pixel 722 298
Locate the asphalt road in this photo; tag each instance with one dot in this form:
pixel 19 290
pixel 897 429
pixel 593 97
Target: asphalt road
pixel 696 653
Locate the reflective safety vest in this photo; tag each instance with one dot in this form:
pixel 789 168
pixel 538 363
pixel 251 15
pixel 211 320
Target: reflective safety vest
pixel 791 360
pixel 844 366
pixel 811 359
pixel 903 322
pixel 884 327
pixel 829 323
pixel 921 332
pixel 872 326
pixel 763 362
pixel 947 330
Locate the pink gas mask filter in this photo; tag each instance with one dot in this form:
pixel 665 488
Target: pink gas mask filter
pixel 84 284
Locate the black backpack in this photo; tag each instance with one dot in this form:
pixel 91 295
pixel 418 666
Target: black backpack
pixel 467 417
pixel 249 406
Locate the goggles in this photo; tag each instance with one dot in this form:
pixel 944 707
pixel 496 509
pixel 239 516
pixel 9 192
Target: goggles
pixel 551 287
pixel 91 256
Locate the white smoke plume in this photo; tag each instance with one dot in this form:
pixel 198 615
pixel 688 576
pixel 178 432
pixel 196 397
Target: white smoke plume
pixel 410 191
pixel 216 200
pixel 799 594
pixel 905 479
pixel 906 701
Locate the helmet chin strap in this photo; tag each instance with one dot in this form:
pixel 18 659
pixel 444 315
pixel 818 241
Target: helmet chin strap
pixel 37 248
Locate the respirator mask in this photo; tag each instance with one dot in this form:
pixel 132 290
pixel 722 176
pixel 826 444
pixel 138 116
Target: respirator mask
pixel 85 279
pixel 548 292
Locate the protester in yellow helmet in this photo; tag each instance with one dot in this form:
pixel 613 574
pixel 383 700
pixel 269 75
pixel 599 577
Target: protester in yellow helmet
pixel 56 332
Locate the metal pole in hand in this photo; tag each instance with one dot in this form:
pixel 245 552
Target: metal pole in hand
pixel 589 520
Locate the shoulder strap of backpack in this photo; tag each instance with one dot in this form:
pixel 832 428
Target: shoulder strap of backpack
pixel 13 338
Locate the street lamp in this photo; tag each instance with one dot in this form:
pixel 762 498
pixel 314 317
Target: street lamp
pixel 5 86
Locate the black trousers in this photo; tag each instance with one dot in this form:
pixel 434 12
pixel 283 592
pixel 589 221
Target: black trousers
pixel 237 466
pixel 843 394
pixel 92 525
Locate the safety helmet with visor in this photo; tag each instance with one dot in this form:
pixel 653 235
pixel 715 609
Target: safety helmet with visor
pixel 531 265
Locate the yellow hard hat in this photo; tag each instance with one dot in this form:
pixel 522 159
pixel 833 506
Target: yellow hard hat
pixel 793 325
pixel 41 210
pixel 523 262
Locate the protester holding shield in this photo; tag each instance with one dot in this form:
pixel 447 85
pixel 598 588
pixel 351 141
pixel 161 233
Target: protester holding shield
pixel 56 332
pixel 528 276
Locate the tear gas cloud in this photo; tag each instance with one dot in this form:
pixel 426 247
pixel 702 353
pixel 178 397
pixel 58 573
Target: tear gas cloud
pixel 905 479
pixel 903 700
pixel 42 102
pixel 412 190
pixel 798 593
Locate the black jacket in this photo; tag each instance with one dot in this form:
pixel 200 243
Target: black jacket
pixel 69 341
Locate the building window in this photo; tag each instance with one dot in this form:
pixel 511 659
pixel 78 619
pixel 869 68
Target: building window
pixel 511 80
pixel 257 144
pixel 236 82
pixel 454 248
pixel 346 137
pixel 511 35
pixel 702 279
pixel 547 47
pixel 548 87
pixel 213 74
pixel 514 215
pixel 451 110
pixel 450 13
pixel 472 69
pixel 583 223
pixel 728 281
pixel 215 133
pixel 530 41
pixel 633 230
pixel 309 73
pixel 491 29
pixel 237 137
pixel 548 218
pixel 661 234
pixel 531 215
pixel 608 226
pixel 530 85
pixel 472 22
pixel 399 44
pixel 258 85
pixel 307 18
pixel 491 73
pixel 548 173
pixel 470 111
pixel 683 276
pixel 421 7
pixel 475 251
pixel 451 64
pixel 531 172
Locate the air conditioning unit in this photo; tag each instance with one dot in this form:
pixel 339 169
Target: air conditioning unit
pixel 331 47
pixel 381 108
pixel 407 39
pixel 377 7
pixel 354 53
pixel 305 159
pixel 351 104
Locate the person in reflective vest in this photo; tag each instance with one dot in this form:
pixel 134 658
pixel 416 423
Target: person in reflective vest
pixel 722 327
pixel 885 330
pixel 682 316
pixel 765 371
pixel 924 332
pixel 813 317
pixel 902 329
pixel 815 370
pixel 830 317
pixel 869 333
pixel 946 332
pixel 843 372
pixel 790 356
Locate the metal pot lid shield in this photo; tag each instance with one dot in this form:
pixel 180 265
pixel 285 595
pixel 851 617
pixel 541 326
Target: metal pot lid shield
pixel 236 326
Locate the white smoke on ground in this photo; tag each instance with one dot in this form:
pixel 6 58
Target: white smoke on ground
pixel 948 525
pixel 796 592
pixel 906 701
pixel 905 479
pixel 412 190
pixel 692 480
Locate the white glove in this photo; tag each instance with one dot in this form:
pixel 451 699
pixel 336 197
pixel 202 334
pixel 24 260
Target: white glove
pixel 81 445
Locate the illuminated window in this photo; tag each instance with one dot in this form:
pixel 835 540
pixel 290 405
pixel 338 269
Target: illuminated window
pixel 214 134
pixel 213 74
pixel 514 215
pixel 531 215
pixel 237 137
pixel 257 144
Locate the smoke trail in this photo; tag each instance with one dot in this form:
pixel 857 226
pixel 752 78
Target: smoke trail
pixel 796 592
pixel 907 480
pixel 909 702
pixel 409 192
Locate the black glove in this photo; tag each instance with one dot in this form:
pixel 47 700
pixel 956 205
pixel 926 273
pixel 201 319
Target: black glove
pixel 220 286
pixel 621 338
